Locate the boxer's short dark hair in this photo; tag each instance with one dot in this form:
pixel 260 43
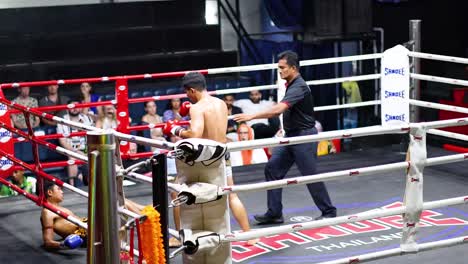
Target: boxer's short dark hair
pixel 194 80
pixel 48 185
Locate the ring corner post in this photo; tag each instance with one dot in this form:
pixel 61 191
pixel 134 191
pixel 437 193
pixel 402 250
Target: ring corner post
pixel 415 38
pixel 104 246
pixel 160 196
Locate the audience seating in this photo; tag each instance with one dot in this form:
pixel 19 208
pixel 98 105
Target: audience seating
pixel 136 111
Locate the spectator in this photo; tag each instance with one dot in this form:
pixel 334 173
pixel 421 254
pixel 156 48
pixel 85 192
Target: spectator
pixel 88 96
pixel 107 119
pixel 28 184
pixel 133 149
pixel 249 156
pixel 19 121
pixel 151 117
pixel 232 110
pixel 53 98
pixel 172 113
pixel 76 144
pixel 263 127
pixel 324 147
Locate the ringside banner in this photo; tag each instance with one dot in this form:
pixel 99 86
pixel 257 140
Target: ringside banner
pixel 395 83
pixel 6 141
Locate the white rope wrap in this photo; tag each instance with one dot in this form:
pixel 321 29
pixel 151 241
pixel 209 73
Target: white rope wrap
pixel 198 241
pixel 199 193
pixel 413 199
pixel 200 150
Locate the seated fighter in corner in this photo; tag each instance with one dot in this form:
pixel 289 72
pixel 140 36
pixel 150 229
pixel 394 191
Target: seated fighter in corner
pixel 73 235
pixel 52 223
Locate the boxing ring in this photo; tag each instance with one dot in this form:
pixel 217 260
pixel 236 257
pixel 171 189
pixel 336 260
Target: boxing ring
pixel 395 120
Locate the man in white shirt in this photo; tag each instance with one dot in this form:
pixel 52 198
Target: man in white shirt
pixel 263 127
pixel 76 143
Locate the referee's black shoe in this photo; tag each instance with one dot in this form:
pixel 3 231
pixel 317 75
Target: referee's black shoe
pixel 266 219
pixel 324 217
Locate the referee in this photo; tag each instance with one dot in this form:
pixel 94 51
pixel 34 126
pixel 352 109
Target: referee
pixel 297 108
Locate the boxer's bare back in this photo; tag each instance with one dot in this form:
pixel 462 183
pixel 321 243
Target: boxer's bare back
pixel 209 118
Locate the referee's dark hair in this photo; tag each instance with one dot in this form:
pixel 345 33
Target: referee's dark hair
pixel 291 57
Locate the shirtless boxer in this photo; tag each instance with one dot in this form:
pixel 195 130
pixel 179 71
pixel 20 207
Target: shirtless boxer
pixel 209 121
pixel 51 223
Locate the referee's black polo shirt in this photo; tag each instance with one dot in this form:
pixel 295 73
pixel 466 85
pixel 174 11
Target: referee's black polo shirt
pixel 300 113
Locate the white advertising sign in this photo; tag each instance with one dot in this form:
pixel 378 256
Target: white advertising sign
pixel 394 93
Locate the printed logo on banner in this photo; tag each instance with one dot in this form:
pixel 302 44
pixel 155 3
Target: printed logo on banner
pixel 395 118
pixel 398 94
pixel 3 109
pixel 5 164
pixel 395 86
pixel 5 135
pixel 399 71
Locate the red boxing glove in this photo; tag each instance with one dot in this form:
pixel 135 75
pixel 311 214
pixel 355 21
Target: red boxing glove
pixel 185 108
pixel 172 128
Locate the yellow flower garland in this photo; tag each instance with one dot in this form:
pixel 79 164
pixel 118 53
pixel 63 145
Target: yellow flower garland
pixel 151 237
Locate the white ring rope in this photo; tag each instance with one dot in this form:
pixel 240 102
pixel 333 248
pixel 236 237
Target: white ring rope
pixel 431 78
pixel 247 89
pixel 438 57
pixel 317 108
pixel 337 134
pixel 272 66
pixel 139 177
pixel 445 123
pixel 443 133
pixel 143 140
pixel 340 106
pixel 350 105
pixel 445 107
pixel 344 79
pixel 143 178
pixel 341 59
